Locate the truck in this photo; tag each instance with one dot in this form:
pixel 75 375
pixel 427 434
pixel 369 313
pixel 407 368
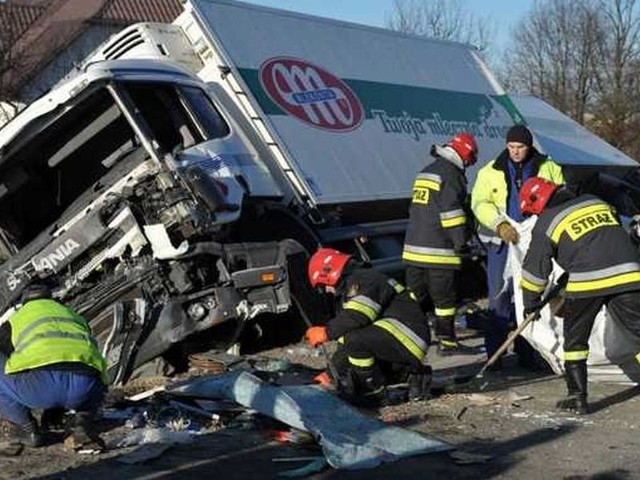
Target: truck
pixel 172 188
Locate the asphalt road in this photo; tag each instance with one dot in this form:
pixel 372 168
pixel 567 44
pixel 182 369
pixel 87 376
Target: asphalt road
pixel 509 430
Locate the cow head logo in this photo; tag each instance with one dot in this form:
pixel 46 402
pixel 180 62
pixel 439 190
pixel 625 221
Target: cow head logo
pixel 311 94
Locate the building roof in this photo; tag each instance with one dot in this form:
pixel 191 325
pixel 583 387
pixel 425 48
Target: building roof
pixel 16 17
pixel 128 11
pixel 44 28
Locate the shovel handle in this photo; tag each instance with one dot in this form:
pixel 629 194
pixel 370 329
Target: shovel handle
pixel 507 343
pixel 562 281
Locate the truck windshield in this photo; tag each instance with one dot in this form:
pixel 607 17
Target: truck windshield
pixel 90 146
pixel 178 116
pixel 62 168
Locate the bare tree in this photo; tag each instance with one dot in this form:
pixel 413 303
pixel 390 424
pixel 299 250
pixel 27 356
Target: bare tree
pixel 443 19
pixel 582 57
pixel 7 39
pixel 617 78
pixel 553 54
pixel 11 30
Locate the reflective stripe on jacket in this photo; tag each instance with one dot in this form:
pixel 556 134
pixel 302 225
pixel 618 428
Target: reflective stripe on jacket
pixel 438 222
pixel 490 191
pixel 45 332
pixel 370 297
pixel 586 239
pixel 407 337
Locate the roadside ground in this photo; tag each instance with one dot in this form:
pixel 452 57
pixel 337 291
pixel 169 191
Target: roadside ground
pixel 508 430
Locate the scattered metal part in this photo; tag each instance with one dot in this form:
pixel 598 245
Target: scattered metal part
pixel 173 418
pixel 313 467
pixel 143 436
pixel 272 364
pixel 298 437
pixel 466 458
pixel 71 444
pixel 118 413
pixel 207 363
pixel 297 459
pixel 462 411
pixel 214 417
pixel 137 420
pixel 146 394
pixel 10 449
pixel 217 361
pixel 144 453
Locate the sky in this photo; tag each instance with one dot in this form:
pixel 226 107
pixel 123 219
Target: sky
pixel 502 15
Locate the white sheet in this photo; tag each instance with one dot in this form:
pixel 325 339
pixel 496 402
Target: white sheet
pixel 611 347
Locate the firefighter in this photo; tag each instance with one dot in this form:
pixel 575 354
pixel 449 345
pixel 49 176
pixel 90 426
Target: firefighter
pixel 494 201
pixel 49 360
pixel 583 234
pixel 438 233
pixel 380 328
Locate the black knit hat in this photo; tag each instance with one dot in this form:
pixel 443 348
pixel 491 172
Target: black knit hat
pixel 520 134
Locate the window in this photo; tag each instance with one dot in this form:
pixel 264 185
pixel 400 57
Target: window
pixel 65 165
pixel 208 116
pixel 179 117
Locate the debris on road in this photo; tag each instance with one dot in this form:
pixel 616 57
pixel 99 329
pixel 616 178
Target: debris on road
pixel 466 458
pixel 349 438
pixel 144 453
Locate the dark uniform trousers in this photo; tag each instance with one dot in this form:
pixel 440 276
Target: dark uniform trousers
pixel 438 229
pixel 380 331
pixel 393 359
pixel 580 313
pixel 584 235
pixel 439 286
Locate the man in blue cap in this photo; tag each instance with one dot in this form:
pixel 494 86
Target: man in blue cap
pixel 49 360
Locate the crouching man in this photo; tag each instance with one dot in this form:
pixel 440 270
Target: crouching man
pixel 381 332
pixel 49 360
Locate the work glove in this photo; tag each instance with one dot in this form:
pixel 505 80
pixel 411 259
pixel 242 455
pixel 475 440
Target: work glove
pixel 323 378
pixel 316 336
pixel 507 233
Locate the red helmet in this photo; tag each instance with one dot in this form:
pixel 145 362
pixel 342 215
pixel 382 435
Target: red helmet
pixel 325 267
pixel 465 145
pixel 534 195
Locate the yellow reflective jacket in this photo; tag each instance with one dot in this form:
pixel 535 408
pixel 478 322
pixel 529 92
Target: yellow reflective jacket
pixel 45 332
pixel 490 191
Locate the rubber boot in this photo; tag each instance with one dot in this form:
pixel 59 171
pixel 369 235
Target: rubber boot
pixel 27 434
pixel 445 332
pixel 576 378
pixel 53 419
pixel 364 387
pixel 448 347
pixel 420 385
pixel 81 433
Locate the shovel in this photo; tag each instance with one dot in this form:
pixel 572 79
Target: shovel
pixel 555 290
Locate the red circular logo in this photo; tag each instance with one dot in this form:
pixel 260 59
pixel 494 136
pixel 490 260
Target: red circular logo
pixel 311 94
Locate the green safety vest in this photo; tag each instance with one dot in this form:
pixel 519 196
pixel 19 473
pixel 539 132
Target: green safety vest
pixel 490 192
pixel 45 332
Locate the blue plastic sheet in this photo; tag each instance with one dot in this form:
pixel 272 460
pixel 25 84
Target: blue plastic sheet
pixel 349 439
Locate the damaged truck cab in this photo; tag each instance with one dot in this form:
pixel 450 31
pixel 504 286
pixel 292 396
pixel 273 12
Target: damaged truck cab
pixel 125 186
pixel 174 185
